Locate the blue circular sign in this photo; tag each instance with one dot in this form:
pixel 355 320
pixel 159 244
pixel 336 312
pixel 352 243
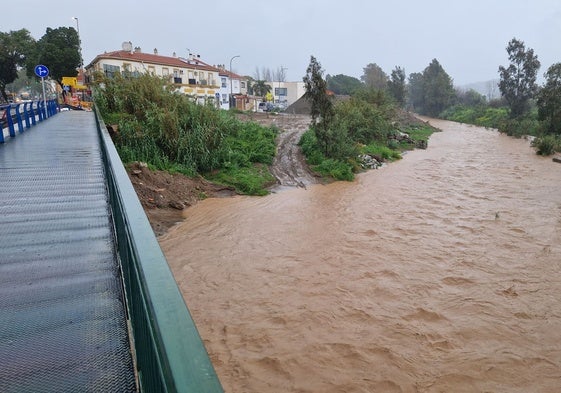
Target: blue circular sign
pixel 41 71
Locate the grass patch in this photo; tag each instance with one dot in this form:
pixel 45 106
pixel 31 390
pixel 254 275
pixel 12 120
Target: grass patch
pixel 385 153
pixel 420 133
pixel 252 180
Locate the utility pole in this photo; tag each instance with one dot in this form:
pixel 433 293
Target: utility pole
pixel 231 81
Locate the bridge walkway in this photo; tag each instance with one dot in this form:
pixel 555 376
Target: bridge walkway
pixel 63 322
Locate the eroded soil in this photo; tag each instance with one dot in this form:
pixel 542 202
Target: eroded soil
pixel 164 196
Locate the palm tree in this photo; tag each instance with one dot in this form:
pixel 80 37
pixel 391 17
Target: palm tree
pixel 260 88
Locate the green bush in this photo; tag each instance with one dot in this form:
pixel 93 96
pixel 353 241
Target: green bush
pixel 252 180
pixel 483 116
pixel 363 121
pixel 387 153
pixel 336 169
pixel 547 144
pixel 521 126
pixel 309 145
pixel 169 131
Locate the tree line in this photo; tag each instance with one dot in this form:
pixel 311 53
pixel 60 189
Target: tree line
pixel 524 107
pixel 58 49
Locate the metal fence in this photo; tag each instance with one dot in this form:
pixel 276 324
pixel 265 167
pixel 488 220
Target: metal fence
pixel 29 113
pixel 169 353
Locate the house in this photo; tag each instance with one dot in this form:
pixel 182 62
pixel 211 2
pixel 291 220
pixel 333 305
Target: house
pixel 230 85
pixel 193 78
pixel 286 93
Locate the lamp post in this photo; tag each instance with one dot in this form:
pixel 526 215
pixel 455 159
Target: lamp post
pixel 79 40
pixel 231 82
pixel 281 76
pixel 80 72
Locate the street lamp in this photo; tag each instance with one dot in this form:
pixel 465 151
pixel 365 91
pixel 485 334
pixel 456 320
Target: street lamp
pixel 79 40
pixel 231 84
pixel 281 76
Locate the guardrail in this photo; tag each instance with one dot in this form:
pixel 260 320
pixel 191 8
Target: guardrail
pixel 29 112
pixel 169 353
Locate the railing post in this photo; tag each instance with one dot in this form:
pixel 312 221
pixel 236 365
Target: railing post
pixel 2 132
pixel 32 113
pixel 18 119
pixel 10 121
pixel 40 105
pixel 26 114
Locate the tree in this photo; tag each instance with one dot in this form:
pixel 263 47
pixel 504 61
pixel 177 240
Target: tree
pixel 518 81
pixel 15 47
pixel 59 50
pixel 260 88
pixel 438 89
pixel 374 77
pixel 415 91
pixel 280 74
pixel 470 98
pixel 321 106
pixel 396 85
pixel 343 84
pixel 549 100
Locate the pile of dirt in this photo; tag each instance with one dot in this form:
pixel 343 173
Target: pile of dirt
pixel 164 196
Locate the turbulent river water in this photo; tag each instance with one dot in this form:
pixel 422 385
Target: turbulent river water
pixel 437 273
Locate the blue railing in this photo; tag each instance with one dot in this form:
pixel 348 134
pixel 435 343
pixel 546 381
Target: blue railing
pixel 169 353
pixel 29 113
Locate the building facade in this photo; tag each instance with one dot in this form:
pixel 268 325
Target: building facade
pixel 192 78
pixel 285 94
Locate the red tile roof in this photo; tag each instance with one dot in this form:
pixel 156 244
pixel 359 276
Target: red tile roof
pixel 151 59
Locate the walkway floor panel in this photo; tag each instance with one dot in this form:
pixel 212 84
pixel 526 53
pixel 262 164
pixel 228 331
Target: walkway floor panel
pixel 62 318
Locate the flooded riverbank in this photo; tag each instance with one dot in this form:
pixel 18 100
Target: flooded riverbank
pixel 440 272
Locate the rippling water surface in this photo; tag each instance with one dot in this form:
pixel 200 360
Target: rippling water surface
pixel 437 273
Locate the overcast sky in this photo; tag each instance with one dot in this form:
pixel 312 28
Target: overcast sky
pixel 468 38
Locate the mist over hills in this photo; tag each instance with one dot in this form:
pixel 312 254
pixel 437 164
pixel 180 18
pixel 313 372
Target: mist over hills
pixel 489 89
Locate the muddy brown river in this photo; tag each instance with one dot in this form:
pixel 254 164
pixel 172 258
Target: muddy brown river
pixel 437 273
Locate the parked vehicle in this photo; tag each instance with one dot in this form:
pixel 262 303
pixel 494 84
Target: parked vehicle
pixel 265 107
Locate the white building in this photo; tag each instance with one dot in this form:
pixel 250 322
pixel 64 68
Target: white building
pixel 286 93
pixel 231 85
pixel 193 78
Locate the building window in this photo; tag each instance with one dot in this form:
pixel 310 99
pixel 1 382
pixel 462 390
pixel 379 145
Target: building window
pixel 223 82
pixel 110 70
pixel 281 91
pixel 152 70
pixel 165 71
pixel 225 98
pixel 243 85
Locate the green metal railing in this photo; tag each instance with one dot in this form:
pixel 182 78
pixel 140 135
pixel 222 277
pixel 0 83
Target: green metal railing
pixel 169 353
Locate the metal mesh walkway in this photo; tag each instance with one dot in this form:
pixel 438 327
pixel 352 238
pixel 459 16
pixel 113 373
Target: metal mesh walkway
pixel 62 318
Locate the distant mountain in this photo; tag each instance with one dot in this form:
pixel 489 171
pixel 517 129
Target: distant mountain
pixel 489 89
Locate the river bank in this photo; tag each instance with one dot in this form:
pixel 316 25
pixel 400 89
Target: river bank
pixel 164 196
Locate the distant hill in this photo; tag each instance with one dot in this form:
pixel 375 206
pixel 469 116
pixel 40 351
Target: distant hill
pixel 489 89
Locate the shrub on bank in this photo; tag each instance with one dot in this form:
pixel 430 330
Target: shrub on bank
pixel 169 131
pixel 547 145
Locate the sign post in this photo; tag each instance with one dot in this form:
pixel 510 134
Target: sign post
pixel 42 72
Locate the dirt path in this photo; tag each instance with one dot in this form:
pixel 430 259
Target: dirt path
pixel 289 165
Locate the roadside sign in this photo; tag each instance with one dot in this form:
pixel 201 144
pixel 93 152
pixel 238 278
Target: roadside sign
pixel 41 71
